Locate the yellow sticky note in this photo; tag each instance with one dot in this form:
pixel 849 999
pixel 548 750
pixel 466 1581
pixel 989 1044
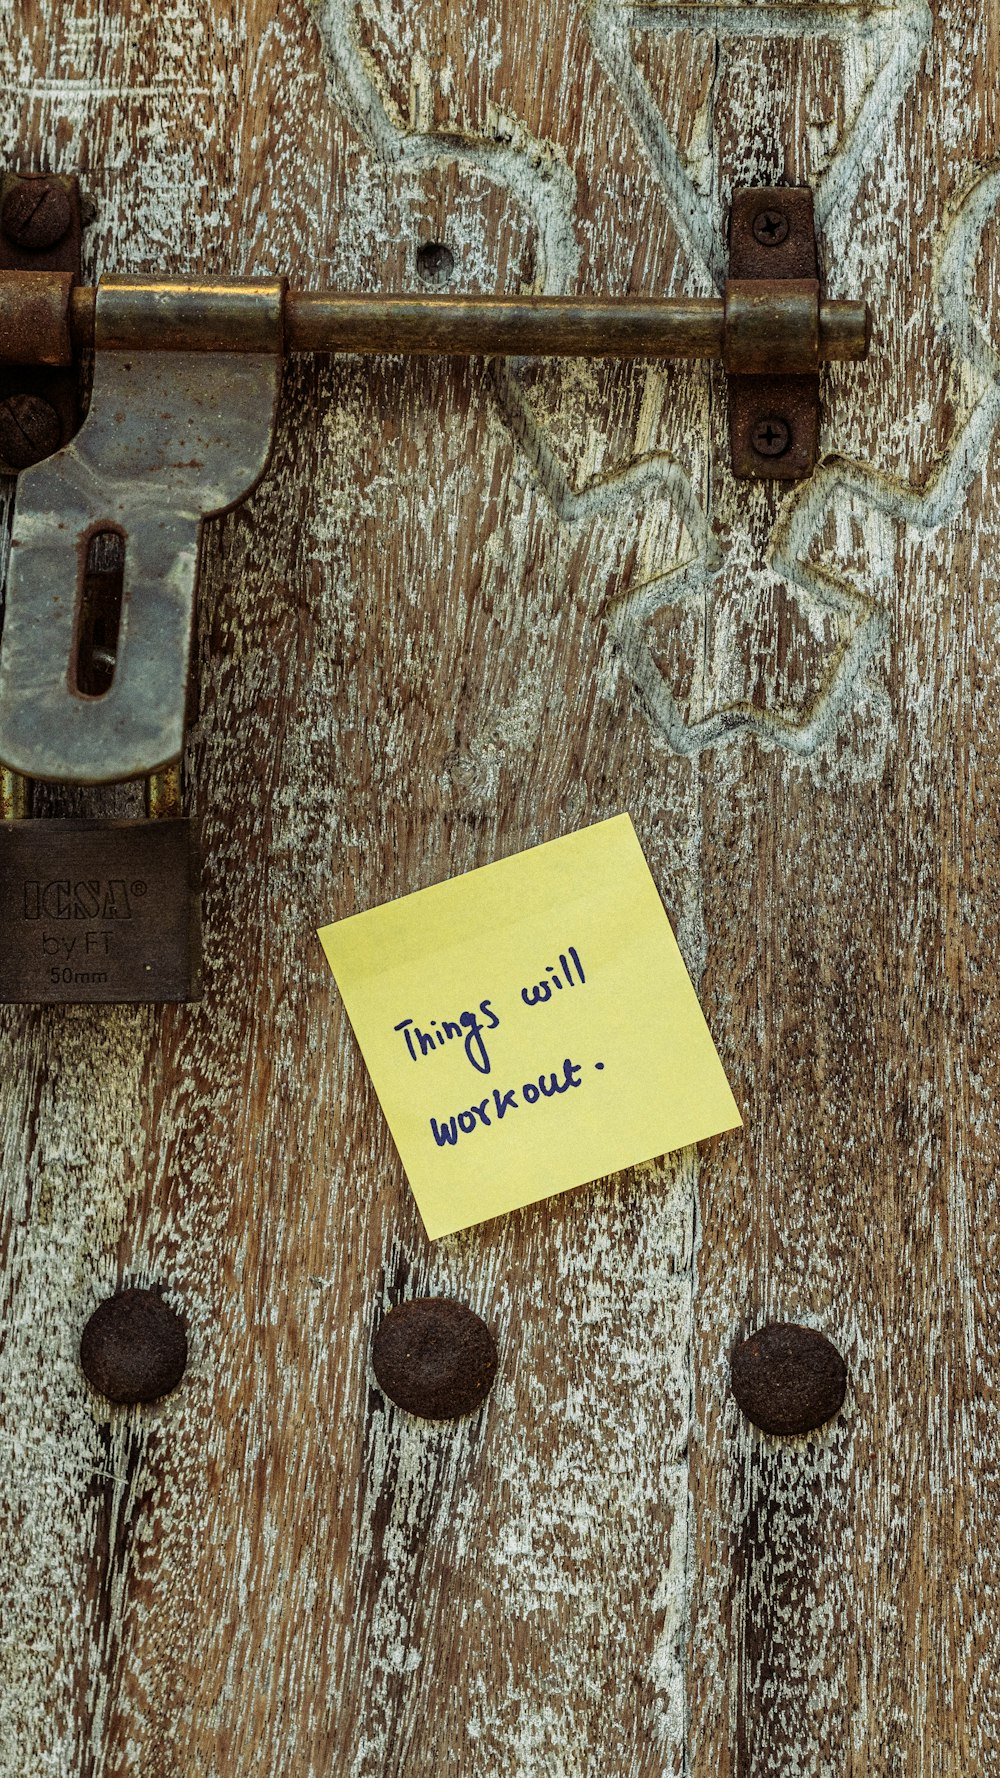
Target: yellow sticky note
pixel 530 1026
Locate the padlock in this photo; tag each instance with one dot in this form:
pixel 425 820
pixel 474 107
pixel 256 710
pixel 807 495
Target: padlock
pixel 99 911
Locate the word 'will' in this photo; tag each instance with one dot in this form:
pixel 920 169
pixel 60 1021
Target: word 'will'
pixel 556 981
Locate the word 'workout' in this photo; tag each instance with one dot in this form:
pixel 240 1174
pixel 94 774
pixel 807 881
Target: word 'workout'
pixel 551 984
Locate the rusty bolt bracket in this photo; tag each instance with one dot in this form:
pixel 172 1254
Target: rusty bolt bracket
pixel 777 332
pixel 40 231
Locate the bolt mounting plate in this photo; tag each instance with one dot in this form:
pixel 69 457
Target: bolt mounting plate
pixel 764 407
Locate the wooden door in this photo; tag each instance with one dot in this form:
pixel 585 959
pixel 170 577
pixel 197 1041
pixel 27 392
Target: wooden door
pixel 471 607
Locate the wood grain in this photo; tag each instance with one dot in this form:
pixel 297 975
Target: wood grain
pixel 471 607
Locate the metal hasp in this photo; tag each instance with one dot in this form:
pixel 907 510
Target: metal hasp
pixel 775 325
pixel 90 910
pixel 169 438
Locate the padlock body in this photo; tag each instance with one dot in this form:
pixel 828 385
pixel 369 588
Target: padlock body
pixel 99 912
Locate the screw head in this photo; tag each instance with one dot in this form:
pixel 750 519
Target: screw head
pixel 30 429
pixel 788 1379
pixel 435 262
pixel 770 227
pixel 771 436
pixel 134 1347
pixel 435 1358
pixel 36 214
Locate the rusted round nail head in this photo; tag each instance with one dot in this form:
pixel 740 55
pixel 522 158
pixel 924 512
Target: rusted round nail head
pixel 36 214
pixel 770 227
pixel 30 429
pixel 771 436
pixel 788 1379
pixel 434 1357
pixel 134 1347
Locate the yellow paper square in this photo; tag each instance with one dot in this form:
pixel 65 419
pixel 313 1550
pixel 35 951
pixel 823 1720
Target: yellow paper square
pixel 540 1092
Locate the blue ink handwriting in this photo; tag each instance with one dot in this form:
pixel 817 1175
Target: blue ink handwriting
pixel 558 979
pixel 468 1026
pixel 474 1117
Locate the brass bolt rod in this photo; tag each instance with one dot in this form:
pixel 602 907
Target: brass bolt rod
pixel 174 316
pixel 510 326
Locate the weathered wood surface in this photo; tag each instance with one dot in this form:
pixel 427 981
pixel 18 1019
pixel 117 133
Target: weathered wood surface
pixel 471 607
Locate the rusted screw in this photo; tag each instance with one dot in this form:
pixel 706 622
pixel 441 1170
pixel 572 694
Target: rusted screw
pixel 771 436
pixel 36 214
pixel 435 262
pixel 788 1379
pixel 770 227
pixel 134 1347
pixel 434 1357
pixel 30 429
